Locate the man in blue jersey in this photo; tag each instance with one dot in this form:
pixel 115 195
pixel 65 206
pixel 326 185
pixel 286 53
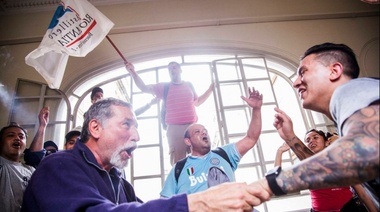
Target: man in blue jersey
pixel 205 167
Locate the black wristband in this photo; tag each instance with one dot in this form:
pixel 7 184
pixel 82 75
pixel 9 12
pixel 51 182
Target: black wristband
pixel 271 178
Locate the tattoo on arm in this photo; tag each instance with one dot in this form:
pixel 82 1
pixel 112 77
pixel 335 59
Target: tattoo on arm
pixel 299 148
pixel 352 159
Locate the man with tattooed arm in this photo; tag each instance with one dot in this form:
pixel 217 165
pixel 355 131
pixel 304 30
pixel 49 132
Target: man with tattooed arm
pixel 328 82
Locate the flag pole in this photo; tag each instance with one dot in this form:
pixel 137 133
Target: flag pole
pixel 118 51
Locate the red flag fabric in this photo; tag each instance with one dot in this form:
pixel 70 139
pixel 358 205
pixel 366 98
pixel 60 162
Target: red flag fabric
pixel 76 28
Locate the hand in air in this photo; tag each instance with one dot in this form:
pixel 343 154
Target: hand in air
pixel 284 147
pixel 255 99
pixel 284 125
pixel 43 116
pixel 129 66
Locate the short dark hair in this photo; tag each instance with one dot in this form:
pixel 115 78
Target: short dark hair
pixel 331 52
pixel 187 133
pixel 95 90
pixel 50 143
pixel 101 111
pixel 319 132
pixel 72 133
pixel 12 124
pixel 174 62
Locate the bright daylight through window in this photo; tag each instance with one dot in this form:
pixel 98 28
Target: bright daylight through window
pixel 224 114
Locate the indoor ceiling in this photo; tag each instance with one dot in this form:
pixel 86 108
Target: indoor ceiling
pixel 26 6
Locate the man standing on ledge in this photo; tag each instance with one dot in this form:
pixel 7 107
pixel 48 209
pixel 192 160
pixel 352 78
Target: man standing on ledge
pixel 180 100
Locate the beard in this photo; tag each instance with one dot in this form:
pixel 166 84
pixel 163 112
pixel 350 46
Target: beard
pixel 119 158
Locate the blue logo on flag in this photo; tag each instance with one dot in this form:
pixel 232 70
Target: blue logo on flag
pixel 59 12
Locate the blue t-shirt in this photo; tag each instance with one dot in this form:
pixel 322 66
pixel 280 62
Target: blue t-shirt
pixel 193 177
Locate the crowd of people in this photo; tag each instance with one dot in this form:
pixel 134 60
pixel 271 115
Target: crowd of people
pixel 86 176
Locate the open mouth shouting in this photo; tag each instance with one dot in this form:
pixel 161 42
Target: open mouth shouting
pixel 129 150
pixel 300 92
pixel 16 145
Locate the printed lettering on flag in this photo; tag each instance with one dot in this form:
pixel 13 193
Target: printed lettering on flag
pixel 76 28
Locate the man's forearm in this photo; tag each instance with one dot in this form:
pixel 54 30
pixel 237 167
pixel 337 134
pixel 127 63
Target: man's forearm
pixel 38 140
pixel 201 99
pixel 254 129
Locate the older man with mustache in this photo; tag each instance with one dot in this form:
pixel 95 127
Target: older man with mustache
pixel 87 178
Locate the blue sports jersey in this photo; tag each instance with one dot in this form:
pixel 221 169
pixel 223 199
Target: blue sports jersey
pixel 193 177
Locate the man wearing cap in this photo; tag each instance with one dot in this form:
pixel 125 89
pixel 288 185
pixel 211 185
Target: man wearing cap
pixel 71 137
pixel 14 175
pixel 50 147
pixel 96 94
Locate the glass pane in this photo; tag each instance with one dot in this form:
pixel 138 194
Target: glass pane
pixel 285 93
pixel 146 166
pixel 270 142
pixel 25 111
pixel 148 131
pixel 264 87
pixel 198 75
pixel 231 93
pixel 148 189
pixel 157 62
pixel 287 70
pixel 248 174
pixel 290 203
pixel 254 68
pixel 267 117
pixel 204 58
pixel 99 79
pixel 250 157
pixel 141 100
pixel 236 121
pixel 57 134
pixel 53 105
pixel 27 89
pixel 227 70
pixel 148 78
pixel 163 75
pixel 319 118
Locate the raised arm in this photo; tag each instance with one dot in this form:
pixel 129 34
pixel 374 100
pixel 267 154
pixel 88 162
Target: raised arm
pixel 363 196
pixel 38 140
pixel 284 125
pixel 201 99
pixel 283 148
pixel 139 82
pixel 146 107
pixel 351 159
pixel 255 101
pixel 35 153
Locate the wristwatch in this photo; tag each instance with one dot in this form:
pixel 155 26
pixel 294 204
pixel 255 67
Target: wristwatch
pixel 271 178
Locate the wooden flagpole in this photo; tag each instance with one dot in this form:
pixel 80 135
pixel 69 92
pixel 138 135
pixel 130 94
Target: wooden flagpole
pixel 118 51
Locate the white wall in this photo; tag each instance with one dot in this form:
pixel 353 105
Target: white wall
pixel 285 28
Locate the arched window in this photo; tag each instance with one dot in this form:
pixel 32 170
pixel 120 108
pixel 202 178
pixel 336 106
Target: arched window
pixel 224 114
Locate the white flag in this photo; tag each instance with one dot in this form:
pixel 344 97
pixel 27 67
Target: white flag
pixel 76 28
